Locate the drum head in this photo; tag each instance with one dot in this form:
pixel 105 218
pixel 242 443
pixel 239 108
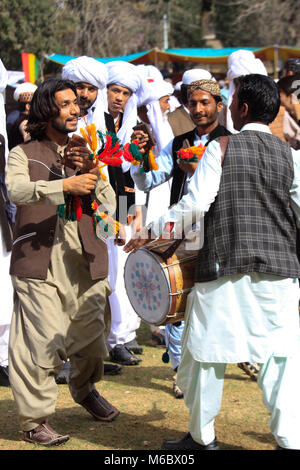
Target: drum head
pixel 147 286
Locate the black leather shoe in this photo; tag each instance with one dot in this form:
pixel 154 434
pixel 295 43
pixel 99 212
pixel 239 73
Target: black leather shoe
pixel 4 377
pixel 134 347
pixel 120 354
pixel 112 369
pixel 188 443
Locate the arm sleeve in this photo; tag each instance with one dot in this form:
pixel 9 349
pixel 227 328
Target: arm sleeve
pixel 151 179
pixel 22 191
pixel 202 191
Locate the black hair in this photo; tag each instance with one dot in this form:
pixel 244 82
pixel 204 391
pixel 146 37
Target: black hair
pixel 43 107
pixel 261 94
pixel 22 106
pixel 288 84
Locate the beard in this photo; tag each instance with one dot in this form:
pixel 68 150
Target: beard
pixel 64 126
pixel 85 103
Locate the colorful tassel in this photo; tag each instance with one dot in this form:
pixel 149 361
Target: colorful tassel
pixel 72 209
pixel 191 154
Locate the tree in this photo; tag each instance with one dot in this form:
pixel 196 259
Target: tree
pixel 257 23
pixel 25 26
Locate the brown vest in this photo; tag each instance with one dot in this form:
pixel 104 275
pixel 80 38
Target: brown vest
pixel 35 224
pixel 180 121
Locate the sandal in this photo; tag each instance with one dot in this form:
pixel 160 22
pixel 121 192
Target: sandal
pixel 99 408
pixel 123 355
pixel 251 369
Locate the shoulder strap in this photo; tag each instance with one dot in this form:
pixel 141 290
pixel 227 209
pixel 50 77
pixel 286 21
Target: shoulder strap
pixel 223 145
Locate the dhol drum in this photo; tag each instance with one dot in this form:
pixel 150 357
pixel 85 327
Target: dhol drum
pixel 157 280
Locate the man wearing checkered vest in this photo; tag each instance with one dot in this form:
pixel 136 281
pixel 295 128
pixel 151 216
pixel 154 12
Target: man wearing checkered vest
pixel 244 303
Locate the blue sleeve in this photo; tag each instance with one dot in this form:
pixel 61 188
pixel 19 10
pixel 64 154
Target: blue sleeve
pixel 151 179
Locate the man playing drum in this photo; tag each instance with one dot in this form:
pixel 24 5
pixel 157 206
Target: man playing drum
pixel 244 304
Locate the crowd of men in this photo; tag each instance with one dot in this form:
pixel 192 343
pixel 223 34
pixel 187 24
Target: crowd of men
pixel 66 307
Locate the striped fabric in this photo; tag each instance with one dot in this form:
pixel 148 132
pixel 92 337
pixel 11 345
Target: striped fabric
pixel 250 226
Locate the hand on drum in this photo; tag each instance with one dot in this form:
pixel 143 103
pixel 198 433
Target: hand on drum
pixel 141 238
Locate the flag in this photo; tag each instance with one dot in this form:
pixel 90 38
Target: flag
pixel 31 67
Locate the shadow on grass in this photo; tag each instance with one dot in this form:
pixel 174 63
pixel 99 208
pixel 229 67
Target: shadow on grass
pixel 156 378
pixel 127 432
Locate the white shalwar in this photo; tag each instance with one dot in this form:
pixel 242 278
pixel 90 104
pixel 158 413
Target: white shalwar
pixel 252 317
pixel 6 303
pixel 6 284
pixel 124 320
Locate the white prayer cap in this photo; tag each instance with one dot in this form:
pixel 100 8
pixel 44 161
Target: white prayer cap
pixel 194 75
pixel 24 92
pixel 177 86
pixel 86 69
pixel 244 62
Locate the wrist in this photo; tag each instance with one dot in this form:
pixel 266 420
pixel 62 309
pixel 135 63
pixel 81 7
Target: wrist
pixel 66 185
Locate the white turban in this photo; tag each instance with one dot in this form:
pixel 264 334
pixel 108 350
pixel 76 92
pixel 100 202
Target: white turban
pixel 150 72
pixel 86 69
pixel 128 76
pixel 3 85
pixel 89 70
pixel 26 87
pixel 194 75
pixel 241 62
pixel 157 88
pixel 177 86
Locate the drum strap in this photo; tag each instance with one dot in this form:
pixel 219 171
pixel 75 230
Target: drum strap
pixel 172 280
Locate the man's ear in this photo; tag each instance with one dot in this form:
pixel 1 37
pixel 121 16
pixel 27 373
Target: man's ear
pixel 244 110
pixel 219 106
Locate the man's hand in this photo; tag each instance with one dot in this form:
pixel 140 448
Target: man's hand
pixel 80 185
pixel 188 167
pixel 142 140
pixel 80 157
pixel 141 238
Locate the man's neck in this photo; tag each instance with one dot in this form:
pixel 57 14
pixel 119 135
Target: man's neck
pixel 57 137
pixel 114 114
pixel 207 129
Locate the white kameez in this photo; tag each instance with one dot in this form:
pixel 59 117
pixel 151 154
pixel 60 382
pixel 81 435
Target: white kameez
pixel 252 317
pixel 228 301
pixel 242 318
pixel 124 320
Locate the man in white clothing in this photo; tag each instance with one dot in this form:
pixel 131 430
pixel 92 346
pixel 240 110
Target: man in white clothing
pixel 90 77
pixel 244 304
pixel 7 214
pixel 125 85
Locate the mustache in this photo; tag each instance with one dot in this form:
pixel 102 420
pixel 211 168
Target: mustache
pixel 197 115
pixel 84 100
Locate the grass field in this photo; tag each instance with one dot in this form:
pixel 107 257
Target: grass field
pixel 149 411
